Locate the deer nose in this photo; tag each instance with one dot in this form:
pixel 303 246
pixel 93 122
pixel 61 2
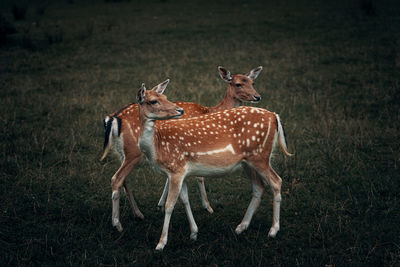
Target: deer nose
pixel 180 110
pixel 257 98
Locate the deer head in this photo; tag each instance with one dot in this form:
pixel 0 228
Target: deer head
pixel 154 105
pixel 241 86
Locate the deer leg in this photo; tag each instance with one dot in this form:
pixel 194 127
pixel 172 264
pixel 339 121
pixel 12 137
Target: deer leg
pixel 275 183
pixel 116 182
pixel 115 210
pixel 135 209
pixel 258 191
pixel 271 178
pixel 163 198
pixel 185 200
pixel 203 194
pixel 174 188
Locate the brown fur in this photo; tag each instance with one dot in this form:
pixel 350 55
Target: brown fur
pixel 240 88
pixel 213 145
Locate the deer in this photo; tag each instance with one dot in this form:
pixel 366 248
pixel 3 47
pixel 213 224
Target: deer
pixel 122 132
pixel 209 145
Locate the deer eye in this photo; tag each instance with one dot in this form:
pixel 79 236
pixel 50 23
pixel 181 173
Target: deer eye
pixel 238 85
pixel 153 102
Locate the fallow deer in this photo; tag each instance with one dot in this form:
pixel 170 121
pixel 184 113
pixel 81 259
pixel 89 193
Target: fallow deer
pixel 210 145
pixel 122 130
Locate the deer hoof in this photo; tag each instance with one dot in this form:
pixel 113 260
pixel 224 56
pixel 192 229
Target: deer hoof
pixel 209 209
pixel 160 246
pixel 117 225
pixel 273 231
pixel 139 215
pixel 193 236
pixel 240 228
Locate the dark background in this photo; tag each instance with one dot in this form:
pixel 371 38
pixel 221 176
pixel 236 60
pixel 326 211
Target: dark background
pixel 331 70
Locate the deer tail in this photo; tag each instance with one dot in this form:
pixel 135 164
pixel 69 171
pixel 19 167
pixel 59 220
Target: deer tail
pixel 112 127
pixel 282 137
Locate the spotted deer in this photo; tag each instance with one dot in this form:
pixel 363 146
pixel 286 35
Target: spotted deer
pixel 210 145
pixel 122 130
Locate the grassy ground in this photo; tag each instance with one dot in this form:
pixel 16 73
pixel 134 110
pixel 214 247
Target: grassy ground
pixel 331 70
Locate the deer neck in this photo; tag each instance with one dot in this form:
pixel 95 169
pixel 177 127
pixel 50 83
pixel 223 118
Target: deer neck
pixel 228 102
pixel 146 140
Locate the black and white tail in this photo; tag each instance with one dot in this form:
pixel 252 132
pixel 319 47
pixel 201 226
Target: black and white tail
pixel 112 127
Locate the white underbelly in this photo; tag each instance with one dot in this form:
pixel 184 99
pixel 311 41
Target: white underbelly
pixel 198 169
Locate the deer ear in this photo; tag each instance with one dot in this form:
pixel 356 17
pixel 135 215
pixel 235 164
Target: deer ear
pixel 225 74
pixel 161 87
pixel 253 74
pixel 141 94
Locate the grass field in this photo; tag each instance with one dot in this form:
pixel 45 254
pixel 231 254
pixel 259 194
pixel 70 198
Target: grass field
pixel 331 70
